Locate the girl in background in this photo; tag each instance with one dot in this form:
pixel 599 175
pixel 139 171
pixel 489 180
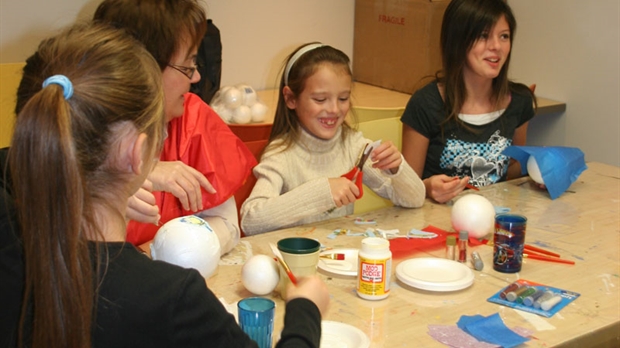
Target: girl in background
pixel 84 142
pixel 299 177
pixel 456 127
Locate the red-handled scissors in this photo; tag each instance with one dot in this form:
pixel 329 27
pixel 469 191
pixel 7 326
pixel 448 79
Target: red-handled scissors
pixel 356 174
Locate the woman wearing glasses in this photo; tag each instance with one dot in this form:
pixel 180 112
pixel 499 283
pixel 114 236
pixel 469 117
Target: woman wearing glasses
pixel 203 163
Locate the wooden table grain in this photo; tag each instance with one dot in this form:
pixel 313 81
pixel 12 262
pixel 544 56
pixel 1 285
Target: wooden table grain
pixel 582 225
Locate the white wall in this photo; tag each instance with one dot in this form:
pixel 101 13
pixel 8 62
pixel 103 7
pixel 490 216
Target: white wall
pixel 570 48
pixel 258 35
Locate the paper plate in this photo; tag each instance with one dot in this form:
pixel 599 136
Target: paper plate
pixel 347 267
pixel 341 335
pixel 435 274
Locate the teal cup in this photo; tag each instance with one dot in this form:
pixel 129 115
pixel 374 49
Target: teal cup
pixel 256 316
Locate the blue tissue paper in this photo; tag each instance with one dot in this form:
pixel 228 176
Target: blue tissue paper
pixel 559 166
pixel 490 329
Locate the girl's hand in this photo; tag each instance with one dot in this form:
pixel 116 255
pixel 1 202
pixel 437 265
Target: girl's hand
pixel 386 157
pixel 311 288
pixel 344 191
pixel 443 188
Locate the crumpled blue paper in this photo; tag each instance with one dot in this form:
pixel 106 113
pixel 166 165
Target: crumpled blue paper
pixel 559 166
pixel 490 329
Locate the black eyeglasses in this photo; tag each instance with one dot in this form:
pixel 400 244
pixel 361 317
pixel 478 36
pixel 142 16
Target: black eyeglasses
pixel 185 70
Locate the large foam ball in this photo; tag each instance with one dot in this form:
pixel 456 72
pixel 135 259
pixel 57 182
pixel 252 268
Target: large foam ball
pixel 232 98
pixel 260 274
pixel 533 171
pixel 474 214
pixel 224 112
pixel 248 94
pixel 188 242
pixel 242 115
pixel 258 110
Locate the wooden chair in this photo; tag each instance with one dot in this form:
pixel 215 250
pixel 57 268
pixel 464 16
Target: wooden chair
pixel 255 137
pixel 375 124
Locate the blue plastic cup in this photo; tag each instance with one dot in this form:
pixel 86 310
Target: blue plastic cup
pixel 508 242
pixel 256 319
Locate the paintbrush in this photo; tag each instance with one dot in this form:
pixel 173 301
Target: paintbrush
pixel 548 258
pixel 278 256
pixel 339 257
pixel 539 250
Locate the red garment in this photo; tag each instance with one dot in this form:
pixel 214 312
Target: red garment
pixel 202 140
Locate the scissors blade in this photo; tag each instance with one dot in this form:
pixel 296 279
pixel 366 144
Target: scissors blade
pixel 360 158
pixel 365 154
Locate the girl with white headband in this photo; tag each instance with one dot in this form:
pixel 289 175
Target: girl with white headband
pixel 300 175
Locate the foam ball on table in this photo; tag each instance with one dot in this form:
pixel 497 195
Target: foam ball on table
pixel 188 242
pixel 232 98
pixel 474 214
pixel 260 274
pixel 242 114
pixel 258 110
pixel 248 94
pixel 533 171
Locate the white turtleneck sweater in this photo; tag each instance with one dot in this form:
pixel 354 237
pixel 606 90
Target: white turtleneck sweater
pixel 292 186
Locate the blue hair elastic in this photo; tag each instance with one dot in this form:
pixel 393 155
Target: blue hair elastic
pixel 63 82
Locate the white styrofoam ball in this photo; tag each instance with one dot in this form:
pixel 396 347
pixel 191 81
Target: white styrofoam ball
pixel 260 274
pixel 258 110
pixel 224 112
pixel 242 114
pixel 533 171
pixel 188 242
pixel 248 94
pixel 474 214
pixel 232 98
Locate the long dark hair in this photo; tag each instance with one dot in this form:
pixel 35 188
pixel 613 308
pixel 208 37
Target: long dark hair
pixel 286 123
pixel 61 168
pixel 464 22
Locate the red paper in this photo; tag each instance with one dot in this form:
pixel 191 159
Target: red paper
pixel 403 247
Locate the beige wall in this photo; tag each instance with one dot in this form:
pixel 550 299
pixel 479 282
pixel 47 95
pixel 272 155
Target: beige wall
pixel 570 48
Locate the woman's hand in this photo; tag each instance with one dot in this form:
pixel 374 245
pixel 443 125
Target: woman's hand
pixel 443 188
pixel 183 181
pixel 142 206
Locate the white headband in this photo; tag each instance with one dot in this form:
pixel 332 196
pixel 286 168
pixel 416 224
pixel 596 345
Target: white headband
pixel 296 56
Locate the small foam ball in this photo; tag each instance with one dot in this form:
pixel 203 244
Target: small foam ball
pixel 260 274
pixel 533 171
pixel 188 242
pixel 242 114
pixel 258 110
pixel 248 94
pixel 224 112
pixel 474 214
pixel 232 98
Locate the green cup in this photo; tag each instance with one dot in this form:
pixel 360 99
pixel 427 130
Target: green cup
pixel 301 255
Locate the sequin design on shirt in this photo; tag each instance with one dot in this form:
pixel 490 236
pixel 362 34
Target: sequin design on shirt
pixel 483 162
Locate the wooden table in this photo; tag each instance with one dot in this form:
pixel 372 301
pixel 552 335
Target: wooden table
pixel 582 225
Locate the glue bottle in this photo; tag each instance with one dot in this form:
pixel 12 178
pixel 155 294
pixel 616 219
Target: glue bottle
pixel 374 269
pixel 463 238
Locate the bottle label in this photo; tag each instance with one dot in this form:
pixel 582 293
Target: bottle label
pixel 374 276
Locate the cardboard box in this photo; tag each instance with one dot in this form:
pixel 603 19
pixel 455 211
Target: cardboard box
pixel 396 42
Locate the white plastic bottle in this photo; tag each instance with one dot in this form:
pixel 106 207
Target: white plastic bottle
pixel 374 269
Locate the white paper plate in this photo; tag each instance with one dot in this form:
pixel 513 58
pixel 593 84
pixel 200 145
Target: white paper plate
pixel 341 335
pixel 347 267
pixel 435 274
